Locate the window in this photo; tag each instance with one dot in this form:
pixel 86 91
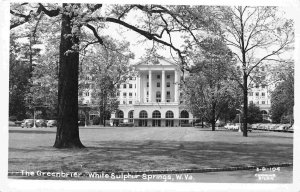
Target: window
pixel 124 94
pixel 134 85
pixel 130 94
pixel 124 86
pixel 158 76
pixel 168 84
pixel 257 94
pixel 118 94
pixel 130 115
pixel 147 76
pixel 147 93
pixel 263 102
pixel 263 94
pixel 168 76
pixel 147 84
pixel 130 102
pixel 251 102
pixel 130 78
pixel 124 102
pixel 257 85
pixel 158 84
pixel 143 114
pixel 250 94
pixel 156 114
pixel 118 86
pixel 158 96
pixel 262 69
pixel 168 95
pixel 263 86
pixel 130 86
pixel 87 93
pixel 169 114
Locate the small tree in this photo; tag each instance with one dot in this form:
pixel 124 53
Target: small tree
pixel 209 92
pixel 282 98
pixel 254 115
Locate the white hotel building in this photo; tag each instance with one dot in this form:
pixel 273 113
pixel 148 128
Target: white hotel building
pixel 152 98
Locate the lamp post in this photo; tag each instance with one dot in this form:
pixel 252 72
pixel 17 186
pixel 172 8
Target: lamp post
pixel 239 119
pixel 34 125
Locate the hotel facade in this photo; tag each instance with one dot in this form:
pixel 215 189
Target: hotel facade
pixel 152 97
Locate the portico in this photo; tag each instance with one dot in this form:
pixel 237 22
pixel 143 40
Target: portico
pixel 157 86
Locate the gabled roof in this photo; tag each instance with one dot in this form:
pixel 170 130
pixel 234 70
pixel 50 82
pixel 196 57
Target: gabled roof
pixel 159 61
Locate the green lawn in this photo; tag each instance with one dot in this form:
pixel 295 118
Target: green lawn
pixel 143 148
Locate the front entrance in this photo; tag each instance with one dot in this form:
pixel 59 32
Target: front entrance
pixel 156 122
pixel 169 123
pixel 143 121
pixel 184 114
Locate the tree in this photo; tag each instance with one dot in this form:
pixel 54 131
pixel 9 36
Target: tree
pixel 209 92
pixel 74 17
pixel 102 71
pixel 257 35
pixel 282 98
pixel 254 115
pixel 19 76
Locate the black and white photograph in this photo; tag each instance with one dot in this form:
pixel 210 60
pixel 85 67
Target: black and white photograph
pixel 150 94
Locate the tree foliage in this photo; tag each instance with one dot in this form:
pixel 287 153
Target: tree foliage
pixel 19 79
pixel 103 70
pixel 208 91
pixel 282 99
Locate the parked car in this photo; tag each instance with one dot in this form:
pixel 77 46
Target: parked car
pixel 18 123
pixel 27 123
pixel 41 123
pixel 231 126
pixel 81 122
pixel 51 123
pixel 126 124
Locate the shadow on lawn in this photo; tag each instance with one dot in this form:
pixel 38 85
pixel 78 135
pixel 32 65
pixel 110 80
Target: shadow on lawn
pixel 151 155
pixel 33 131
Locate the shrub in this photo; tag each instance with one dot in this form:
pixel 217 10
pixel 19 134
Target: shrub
pixel 12 118
pixel 96 120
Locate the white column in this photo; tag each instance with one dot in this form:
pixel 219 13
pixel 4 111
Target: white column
pixel 138 88
pixel 176 86
pixel 150 86
pixel 145 91
pixel 163 86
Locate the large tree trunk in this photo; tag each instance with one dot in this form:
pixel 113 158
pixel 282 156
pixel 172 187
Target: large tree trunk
pixel 67 135
pixel 245 107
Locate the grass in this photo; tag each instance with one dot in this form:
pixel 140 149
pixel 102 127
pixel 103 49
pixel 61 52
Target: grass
pixel 142 149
